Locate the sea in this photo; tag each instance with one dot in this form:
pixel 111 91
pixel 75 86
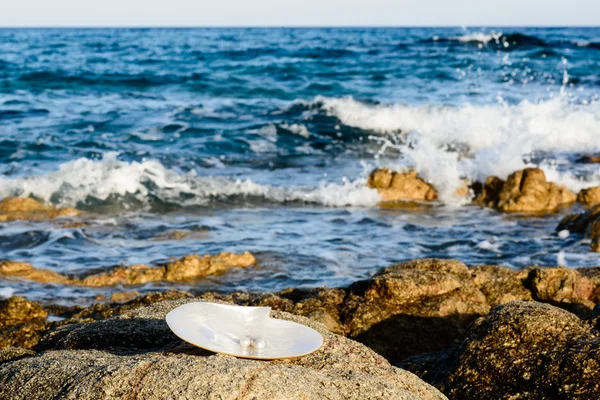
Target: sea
pixel 182 141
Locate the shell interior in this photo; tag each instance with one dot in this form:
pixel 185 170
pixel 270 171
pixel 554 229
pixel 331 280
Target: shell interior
pixel 239 331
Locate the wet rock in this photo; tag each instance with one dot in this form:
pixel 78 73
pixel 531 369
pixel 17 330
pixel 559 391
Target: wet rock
pixel 136 355
pixel 17 269
pixel 520 350
pixel 402 310
pixel 590 196
pixel 585 223
pixel 524 191
pixel 394 186
pixel 13 208
pixel 187 268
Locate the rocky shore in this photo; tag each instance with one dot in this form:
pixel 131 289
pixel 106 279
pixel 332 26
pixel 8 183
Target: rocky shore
pixel 472 332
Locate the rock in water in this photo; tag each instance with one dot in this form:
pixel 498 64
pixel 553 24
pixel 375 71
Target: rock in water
pixel 394 186
pixel 136 356
pixel 186 268
pixel 520 350
pixel 524 191
pixel 590 196
pixel 13 208
pixel 586 223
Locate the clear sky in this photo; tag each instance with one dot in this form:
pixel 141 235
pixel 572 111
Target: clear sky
pixel 298 12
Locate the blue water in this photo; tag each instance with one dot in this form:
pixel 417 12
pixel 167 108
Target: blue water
pixel 262 139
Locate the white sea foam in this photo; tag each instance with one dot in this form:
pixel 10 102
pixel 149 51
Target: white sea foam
pixel 480 37
pixel 495 138
pixel 77 180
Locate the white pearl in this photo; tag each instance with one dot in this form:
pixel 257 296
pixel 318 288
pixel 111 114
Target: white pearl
pixel 246 342
pixel 259 343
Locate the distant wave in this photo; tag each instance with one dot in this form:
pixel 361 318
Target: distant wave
pixel 509 40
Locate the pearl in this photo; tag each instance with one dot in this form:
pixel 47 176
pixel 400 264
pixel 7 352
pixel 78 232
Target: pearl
pixel 246 342
pixel 259 344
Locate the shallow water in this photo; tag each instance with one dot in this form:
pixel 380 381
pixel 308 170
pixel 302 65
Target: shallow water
pixel 262 139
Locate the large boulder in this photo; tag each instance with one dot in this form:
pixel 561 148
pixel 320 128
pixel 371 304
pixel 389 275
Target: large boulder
pixel 404 309
pixel 520 350
pixel 585 223
pixel 394 186
pixel 135 355
pixel 525 191
pixel 13 208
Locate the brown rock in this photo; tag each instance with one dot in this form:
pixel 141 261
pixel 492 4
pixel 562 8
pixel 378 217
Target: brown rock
pixel 13 208
pixel 590 196
pixel 528 191
pixel 187 268
pixel 402 310
pixel 27 271
pixel 563 287
pixel 22 322
pixel 501 285
pixel 524 191
pixel 394 186
pixel 136 356
pixel 520 350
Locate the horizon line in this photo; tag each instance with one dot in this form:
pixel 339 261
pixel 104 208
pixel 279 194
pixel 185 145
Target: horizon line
pixel 463 26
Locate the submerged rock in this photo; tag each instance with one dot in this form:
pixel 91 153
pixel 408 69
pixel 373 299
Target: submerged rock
pixel 13 208
pixel 520 350
pixel 394 186
pixel 187 268
pixel 585 223
pixel 590 196
pixel 524 191
pixel 136 355
pixel 589 159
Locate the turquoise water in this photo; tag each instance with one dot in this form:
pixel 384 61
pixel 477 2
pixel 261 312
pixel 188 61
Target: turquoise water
pixel 262 139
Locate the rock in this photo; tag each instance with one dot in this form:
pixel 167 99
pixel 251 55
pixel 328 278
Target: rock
pixel 22 322
pixel 187 268
pixel 520 350
pixel 13 208
pixel 586 223
pixel 135 355
pixel 501 285
pixel 402 310
pixel 394 186
pixel 24 270
pixel 563 287
pixel 524 191
pixel 590 196
pixel 589 159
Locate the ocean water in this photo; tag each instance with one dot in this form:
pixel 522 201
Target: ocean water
pixel 262 140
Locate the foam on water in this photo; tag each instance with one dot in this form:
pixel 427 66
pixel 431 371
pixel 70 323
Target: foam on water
pixel 77 180
pixel 491 139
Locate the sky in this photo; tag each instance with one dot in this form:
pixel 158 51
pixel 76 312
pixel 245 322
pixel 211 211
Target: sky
pixel 299 13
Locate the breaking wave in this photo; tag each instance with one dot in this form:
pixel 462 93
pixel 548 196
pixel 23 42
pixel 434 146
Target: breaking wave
pixel 83 181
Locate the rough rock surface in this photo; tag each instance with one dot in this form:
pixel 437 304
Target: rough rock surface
pixel 520 350
pixel 524 191
pixel 585 223
pixel 12 208
pixel 187 268
pixel 589 196
pixel 136 356
pixel 22 322
pixel 394 186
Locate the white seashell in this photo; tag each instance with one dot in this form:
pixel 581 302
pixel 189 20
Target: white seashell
pixel 246 332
